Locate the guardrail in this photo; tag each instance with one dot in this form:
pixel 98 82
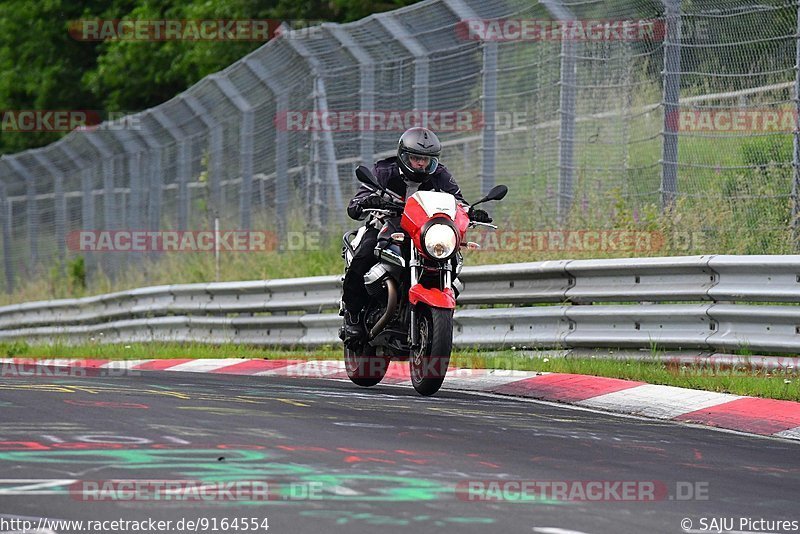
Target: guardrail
pixel 713 303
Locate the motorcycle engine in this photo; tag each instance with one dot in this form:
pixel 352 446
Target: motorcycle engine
pixel 374 313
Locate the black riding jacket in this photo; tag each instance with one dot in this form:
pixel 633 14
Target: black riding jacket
pixel 387 172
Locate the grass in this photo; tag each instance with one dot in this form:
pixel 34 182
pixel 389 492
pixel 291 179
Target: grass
pixel 780 384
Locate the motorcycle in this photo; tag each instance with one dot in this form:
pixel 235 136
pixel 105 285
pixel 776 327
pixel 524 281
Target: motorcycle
pixel 413 287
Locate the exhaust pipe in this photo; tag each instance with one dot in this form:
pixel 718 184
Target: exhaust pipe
pixel 391 307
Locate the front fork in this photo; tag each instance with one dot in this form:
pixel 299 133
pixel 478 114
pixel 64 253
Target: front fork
pixel 416 268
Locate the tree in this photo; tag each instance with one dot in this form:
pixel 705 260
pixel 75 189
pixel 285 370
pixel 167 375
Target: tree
pixel 47 69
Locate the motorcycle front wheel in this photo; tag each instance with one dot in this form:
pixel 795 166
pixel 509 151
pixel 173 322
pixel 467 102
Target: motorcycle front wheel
pixel 430 360
pixel 364 367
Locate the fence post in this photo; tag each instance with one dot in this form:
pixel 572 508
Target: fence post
pixel 567 105
pixel 87 201
pixel 796 141
pixel 327 151
pixel 366 68
pixel 109 205
pixel 87 215
pixel 489 106
pixel 184 163
pixel 246 132
pixel 134 149
pixel 672 88
pixel 281 95
pixel 489 149
pixel 59 203
pixel 31 214
pixel 215 153
pixel 5 223
pixel 420 54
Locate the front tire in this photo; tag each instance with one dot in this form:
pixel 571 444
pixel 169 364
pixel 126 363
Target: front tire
pixel 429 362
pixel 364 367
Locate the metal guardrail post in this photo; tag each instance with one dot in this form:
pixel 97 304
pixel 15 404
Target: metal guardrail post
pixel 5 228
pixel 366 67
pixel 60 207
pixel 326 151
pixel 215 151
pixel 671 77
pixel 31 214
pixel 567 107
pixel 246 132
pixel 281 95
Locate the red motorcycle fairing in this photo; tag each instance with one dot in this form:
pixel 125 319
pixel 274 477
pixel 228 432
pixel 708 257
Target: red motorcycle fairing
pixel 414 218
pixel 433 297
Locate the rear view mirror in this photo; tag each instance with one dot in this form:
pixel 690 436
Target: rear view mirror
pixel 498 192
pixel 365 176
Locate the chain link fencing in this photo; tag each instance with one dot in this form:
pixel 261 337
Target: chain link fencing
pixel 621 128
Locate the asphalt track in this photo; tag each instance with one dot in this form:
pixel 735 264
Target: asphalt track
pixel 338 458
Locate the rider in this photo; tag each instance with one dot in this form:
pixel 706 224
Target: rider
pixel 415 168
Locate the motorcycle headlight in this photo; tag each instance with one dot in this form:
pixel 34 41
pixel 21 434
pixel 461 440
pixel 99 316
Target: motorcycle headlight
pixel 440 241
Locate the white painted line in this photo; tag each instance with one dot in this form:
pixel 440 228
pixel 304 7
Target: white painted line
pixel 660 402
pixel 35 486
pixel 123 364
pixel 24 362
pixel 482 380
pixel 792 433
pixel 205 366
pixel 311 369
pixel 556 530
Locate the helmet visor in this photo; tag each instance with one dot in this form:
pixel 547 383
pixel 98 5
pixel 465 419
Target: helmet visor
pixel 419 163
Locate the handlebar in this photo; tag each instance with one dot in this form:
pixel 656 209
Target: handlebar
pixel 378 211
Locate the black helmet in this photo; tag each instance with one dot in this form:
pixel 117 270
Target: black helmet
pixel 418 142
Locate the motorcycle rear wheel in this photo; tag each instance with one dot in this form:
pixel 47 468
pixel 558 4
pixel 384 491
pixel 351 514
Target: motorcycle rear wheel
pixel 429 362
pixel 364 367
